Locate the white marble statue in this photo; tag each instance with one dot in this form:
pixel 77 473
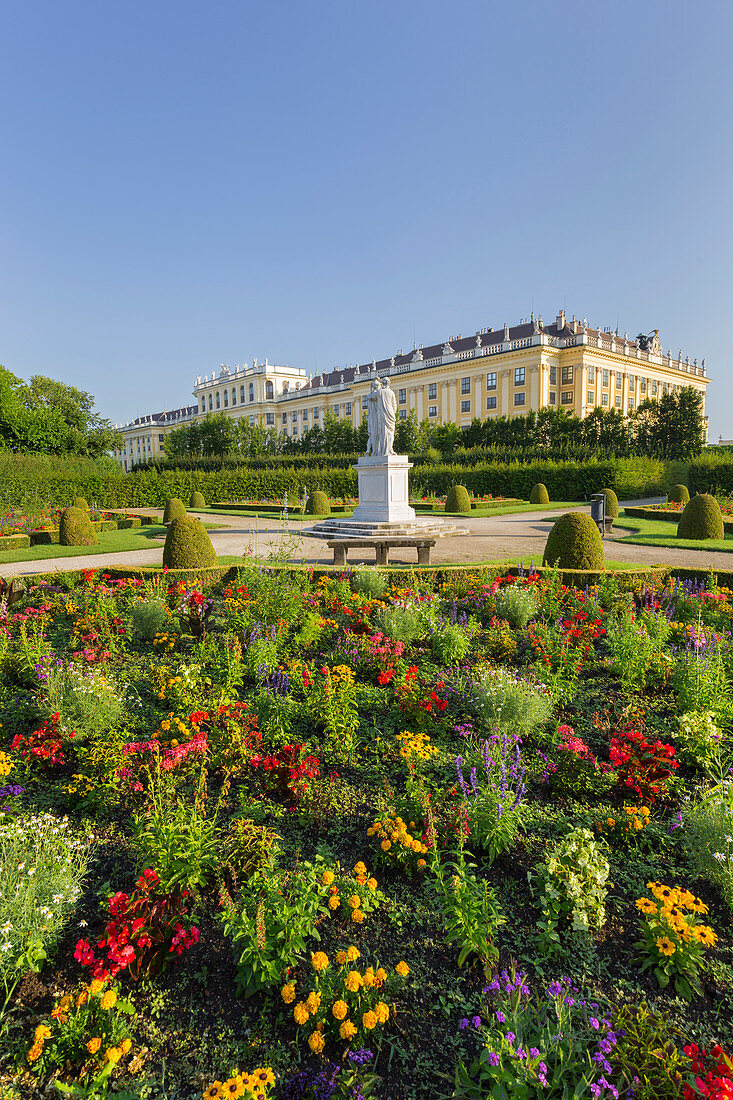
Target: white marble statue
pixel 381 419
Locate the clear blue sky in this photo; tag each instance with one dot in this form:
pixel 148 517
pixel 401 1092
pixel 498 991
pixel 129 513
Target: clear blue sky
pixel 187 184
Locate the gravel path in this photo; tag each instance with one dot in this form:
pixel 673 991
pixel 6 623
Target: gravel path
pixel 490 538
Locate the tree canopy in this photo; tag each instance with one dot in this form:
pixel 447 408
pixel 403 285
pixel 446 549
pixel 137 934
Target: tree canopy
pixel 49 417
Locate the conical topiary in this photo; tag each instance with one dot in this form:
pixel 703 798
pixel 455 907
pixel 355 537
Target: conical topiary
pixel 75 528
pixel 173 510
pixel 318 504
pixel 611 503
pixel 196 500
pixel 80 502
pixel 458 500
pixel 678 494
pixel 701 519
pixel 187 545
pixel 574 543
pixel 539 494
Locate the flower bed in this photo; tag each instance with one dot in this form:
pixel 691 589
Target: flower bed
pixel 301 833
pixel 18 531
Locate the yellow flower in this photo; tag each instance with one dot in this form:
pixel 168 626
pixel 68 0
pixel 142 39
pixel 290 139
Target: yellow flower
pixel 372 883
pixel 645 905
pixel 665 945
pixel 288 993
pixel 214 1091
pixel 333 903
pixel 402 969
pixel 704 935
pixel 339 1010
pixel 319 960
pixel 313 1002
pixel 125 1046
pixel 347 1030
pixel 369 1020
pixel 386 845
pixel 353 981
pixel 369 977
pixel 42 1033
pixel 353 953
pixel 94 1044
pixel 357 916
pixel 113 1055
pixel 360 868
pixel 327 878
pixel 382 1012
pixel 380 977
pixel 421 863
pixel 341 957
pixel 82 998
pixel 109 999
pixel 96 986
pixel 35 1052
pixel 315 1042
pixel 300 1013
pixel 262 1076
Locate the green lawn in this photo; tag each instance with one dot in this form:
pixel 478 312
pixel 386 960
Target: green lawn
pixel 658 532
pixel 422 510
pixel 108 542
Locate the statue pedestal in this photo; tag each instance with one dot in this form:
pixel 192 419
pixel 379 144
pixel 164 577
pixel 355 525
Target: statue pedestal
pixel 383 496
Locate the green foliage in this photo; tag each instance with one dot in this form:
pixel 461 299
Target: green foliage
pixel 149 617
pixel 707 835
pixel 174 509
pixel 570 886
pixel 458 500
pixel 471 912
pixel 49 417
pixel 679 494
pixel 611 503
pixel 368 581
pixel 80 502
pixel 502 700
pixel 539 494
pixel 517 605
pixel 701 519
pixel 450 643
pixel 400 623
pixel 75 528
pixel 318 504
pixel 88 700
pixel 699 738
pixel 188 546
pixel 196 500
pixel 646 1056
pixel 574 543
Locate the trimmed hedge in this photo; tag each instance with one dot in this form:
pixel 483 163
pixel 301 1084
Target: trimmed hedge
pixel 14 542
pixel 317 504
pixel 187 545
pixel 711 474
pixel 701 519
pixel 642 512
pixel 458 500
pixel 611 503
pixel 75 528
pixel 539 494
pixel 678 494
pixel 574 542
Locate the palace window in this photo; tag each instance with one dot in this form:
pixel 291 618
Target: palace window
pixel 618 400
pixel 218 400
pixel 432 391
pixel 567 375
pixel 591 397
pixel 294 415
pixel 305 414
pixel 269 390
pixel 567 397
pixel 234 395
pixel 433 410
pixel 605 379
pixel 465 406
pixel 316 414
pixel 519 379
pixel 642 386
pixel 241 395
pixel 465 385
pixel 402 397
pixel 619 379
pixel 252 420
pixel 295 429
pixel 490 402
pixel 553 376
pixel 226 399
pixel 285 418
pixel 364 402
pixel 591 373
pixel 335 410
pixel 655 387
pixel 519 397
pixel 553 398
pixel 491 381
pixel 347 409
pixel 604 399
pixel 203 404
pixel 403 414
pixel 251 391
pixel 269 418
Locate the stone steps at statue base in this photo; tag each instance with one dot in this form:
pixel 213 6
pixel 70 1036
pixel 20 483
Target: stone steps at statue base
pixel 349 529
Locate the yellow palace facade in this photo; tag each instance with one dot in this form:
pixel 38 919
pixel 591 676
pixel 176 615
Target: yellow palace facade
pixel 494 372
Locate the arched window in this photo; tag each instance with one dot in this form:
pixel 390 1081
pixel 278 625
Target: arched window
pixel 251 391
pixel 241 395
pixel 218 400
pixel 226 399
pixel 234 395
pixel 269 391
pixel 210 403
pixel 203 404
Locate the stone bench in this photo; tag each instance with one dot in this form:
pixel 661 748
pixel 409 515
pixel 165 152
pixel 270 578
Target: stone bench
pixel 382 547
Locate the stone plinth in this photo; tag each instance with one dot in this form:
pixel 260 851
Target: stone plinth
pixel 383 495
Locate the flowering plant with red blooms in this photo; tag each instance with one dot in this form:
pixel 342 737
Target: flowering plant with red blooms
pixel 418 701
pixel 713 1073
pixel 143 934
pixel 289 768
pixel 43 746
pixel 644 766
pixel 194 609
pixel 231 733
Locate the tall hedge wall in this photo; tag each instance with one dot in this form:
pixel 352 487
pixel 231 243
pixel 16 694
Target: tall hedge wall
pixel 712 474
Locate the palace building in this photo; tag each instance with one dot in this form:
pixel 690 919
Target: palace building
pixel 495 372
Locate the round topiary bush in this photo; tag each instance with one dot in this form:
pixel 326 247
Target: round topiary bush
pixel 678 494
pixel 75 528
pixel 574 543
pixel 611 503
pixel 318 504
pixel 173 510
pixel 458 500
pixel 187 545
pixel 539 494
pixel 701 519
pixel 197 500
pixel 80 502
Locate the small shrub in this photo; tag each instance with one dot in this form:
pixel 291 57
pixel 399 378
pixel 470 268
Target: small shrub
pixel 570 886
pixel 174 509
pixel 75 528
pixel 678 494
pixel 611 503
pixel 318 504
pixel 196 500
pixel 512 705
pixel 701 519
pixel 450 643
pixel 574 543
pixel 517 605
pixel 458 500
pixel 539 494
pixel 673 937
pixel 188 546
pixel 149 617
pixel 401 624
pixel 80 502
pixel 370 582
pixel 708 838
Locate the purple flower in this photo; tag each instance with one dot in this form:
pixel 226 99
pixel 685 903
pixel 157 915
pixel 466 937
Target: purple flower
pixel 554 989
pixel 510 1037
pixel 569 1001
pixel 463 1024
pixel 476 1021
pixel 594 1023
pixel 493 1058
pixel 534 1053
pixel 500 1017
pixel 521 1054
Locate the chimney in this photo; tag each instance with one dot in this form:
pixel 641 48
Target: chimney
pixel 560 320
